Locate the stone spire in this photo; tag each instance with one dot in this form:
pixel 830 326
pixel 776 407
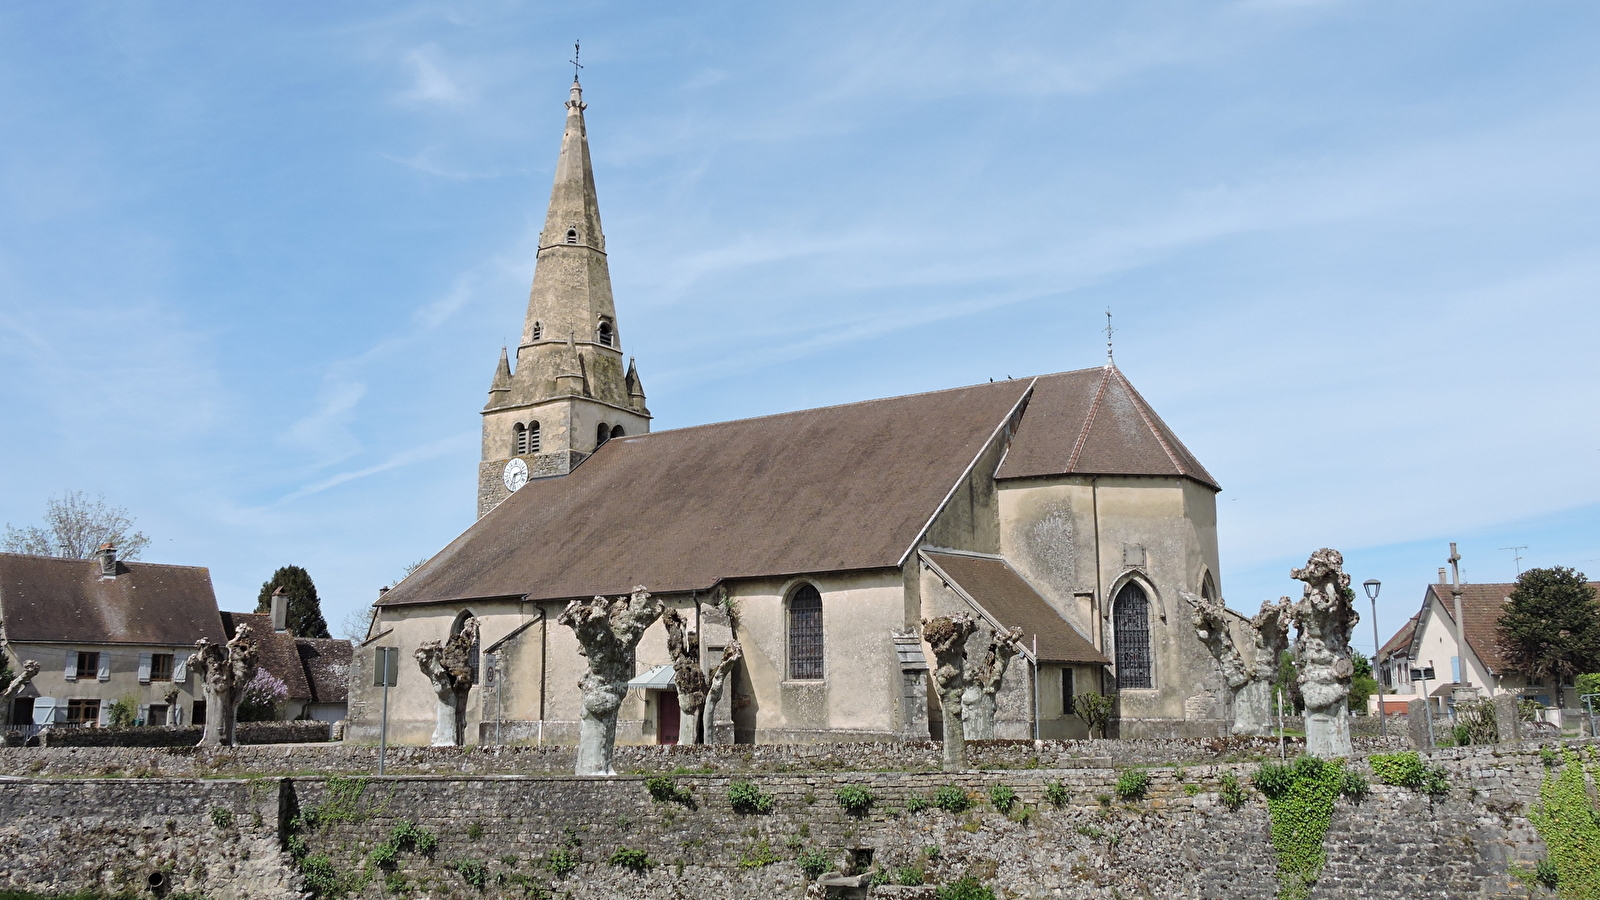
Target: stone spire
pixel 572 282
pixel 568 392
pixel 502 377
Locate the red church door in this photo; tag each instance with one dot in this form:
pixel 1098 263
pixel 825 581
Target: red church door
pixel 667 717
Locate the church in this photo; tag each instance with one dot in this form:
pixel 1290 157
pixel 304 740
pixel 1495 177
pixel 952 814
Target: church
pixel 1059 504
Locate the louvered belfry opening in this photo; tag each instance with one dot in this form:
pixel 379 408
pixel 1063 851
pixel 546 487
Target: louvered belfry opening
pixel 1132 623
pixel 805 634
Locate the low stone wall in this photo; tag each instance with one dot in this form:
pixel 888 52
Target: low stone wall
pixel 497 834
pixel 360 759
pixel 248 733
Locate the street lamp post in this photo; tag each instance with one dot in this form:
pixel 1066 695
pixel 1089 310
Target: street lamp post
pixel 1372 585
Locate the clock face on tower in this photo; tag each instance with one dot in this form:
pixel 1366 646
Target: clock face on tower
pixel 515 475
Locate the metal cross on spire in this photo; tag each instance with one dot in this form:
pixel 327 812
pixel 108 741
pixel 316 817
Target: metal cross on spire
pixel 575 64
pixel 1109 331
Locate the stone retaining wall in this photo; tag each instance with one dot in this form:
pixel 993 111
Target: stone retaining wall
pixel 1179 841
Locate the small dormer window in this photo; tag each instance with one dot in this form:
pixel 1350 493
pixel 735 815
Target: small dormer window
pixel 538 330
pixel 605 333
pixel 572 235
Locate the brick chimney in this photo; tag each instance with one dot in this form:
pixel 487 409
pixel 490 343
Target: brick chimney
pixel 107 555
pixel 280 611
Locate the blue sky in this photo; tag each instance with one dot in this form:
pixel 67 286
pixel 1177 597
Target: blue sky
pixel 257 260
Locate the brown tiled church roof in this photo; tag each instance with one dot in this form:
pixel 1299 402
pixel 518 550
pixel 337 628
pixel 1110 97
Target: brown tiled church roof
pixel 992 583
pixel 1093 422
pixel 52 599
pixel 838 488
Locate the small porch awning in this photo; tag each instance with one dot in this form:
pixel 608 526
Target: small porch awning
pixel 656 678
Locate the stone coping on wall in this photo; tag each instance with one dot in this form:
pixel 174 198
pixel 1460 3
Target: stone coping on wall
pixel 343 758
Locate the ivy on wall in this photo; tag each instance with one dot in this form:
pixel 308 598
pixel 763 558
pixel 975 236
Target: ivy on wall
pixel 1569 823
pixel 1300 798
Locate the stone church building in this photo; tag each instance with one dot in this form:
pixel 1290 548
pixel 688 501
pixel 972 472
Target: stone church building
pixel 1060 504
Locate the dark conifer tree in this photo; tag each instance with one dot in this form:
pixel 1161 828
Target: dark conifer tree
pixel 305 609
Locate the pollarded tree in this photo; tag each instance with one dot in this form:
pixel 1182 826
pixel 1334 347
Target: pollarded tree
pixel 75 527
pixel 305 608
pixel 1550 628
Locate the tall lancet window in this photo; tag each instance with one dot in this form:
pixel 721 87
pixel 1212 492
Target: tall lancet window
pixel 805 634
pixel 1132 622
pixel 538 330
pixel 519 440
pixel 533 437
pixel 602 433
pixel 605 333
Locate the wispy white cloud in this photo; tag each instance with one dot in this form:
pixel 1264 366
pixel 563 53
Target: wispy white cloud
pixel 430 82
pixel 408 457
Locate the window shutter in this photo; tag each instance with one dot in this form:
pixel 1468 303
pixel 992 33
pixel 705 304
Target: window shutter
pixel 71 673
pixel 144 715
pixel 180 667
pixel 144 668
pixel 105 667
pixel 105 714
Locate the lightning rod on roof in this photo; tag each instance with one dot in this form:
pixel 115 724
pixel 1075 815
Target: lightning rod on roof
pixel 574 61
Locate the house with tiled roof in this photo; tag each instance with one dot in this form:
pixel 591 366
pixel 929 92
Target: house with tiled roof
pixel 1479 669
pixel 1060 504
pixel 316 671
pixel 103 630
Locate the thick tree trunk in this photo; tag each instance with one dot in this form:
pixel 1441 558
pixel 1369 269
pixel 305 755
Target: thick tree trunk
pixel 731 654
pixel 224 670
pixel 448 667
pixel 947 635
pixel 608 635
pixel 683 645
pixel 1325 616
pixel 984 681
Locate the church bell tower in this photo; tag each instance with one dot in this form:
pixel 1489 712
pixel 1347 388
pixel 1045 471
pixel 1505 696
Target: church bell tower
pixel 569 393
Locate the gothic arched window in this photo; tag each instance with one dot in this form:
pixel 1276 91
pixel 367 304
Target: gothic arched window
pixel 538 330
pixel 605 333
pixel 519 440
pixel 805 634
pixel 1132 621
pixel 602 433
pixel 616 431
pixel 533 437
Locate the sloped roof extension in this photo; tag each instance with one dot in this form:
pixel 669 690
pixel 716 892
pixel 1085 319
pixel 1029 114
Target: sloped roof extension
pixel 1001 590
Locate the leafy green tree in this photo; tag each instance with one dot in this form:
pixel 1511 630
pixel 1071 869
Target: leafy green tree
pixel 1362 684
pixel 305 608
pixel 1589 684
pixel 1550 628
